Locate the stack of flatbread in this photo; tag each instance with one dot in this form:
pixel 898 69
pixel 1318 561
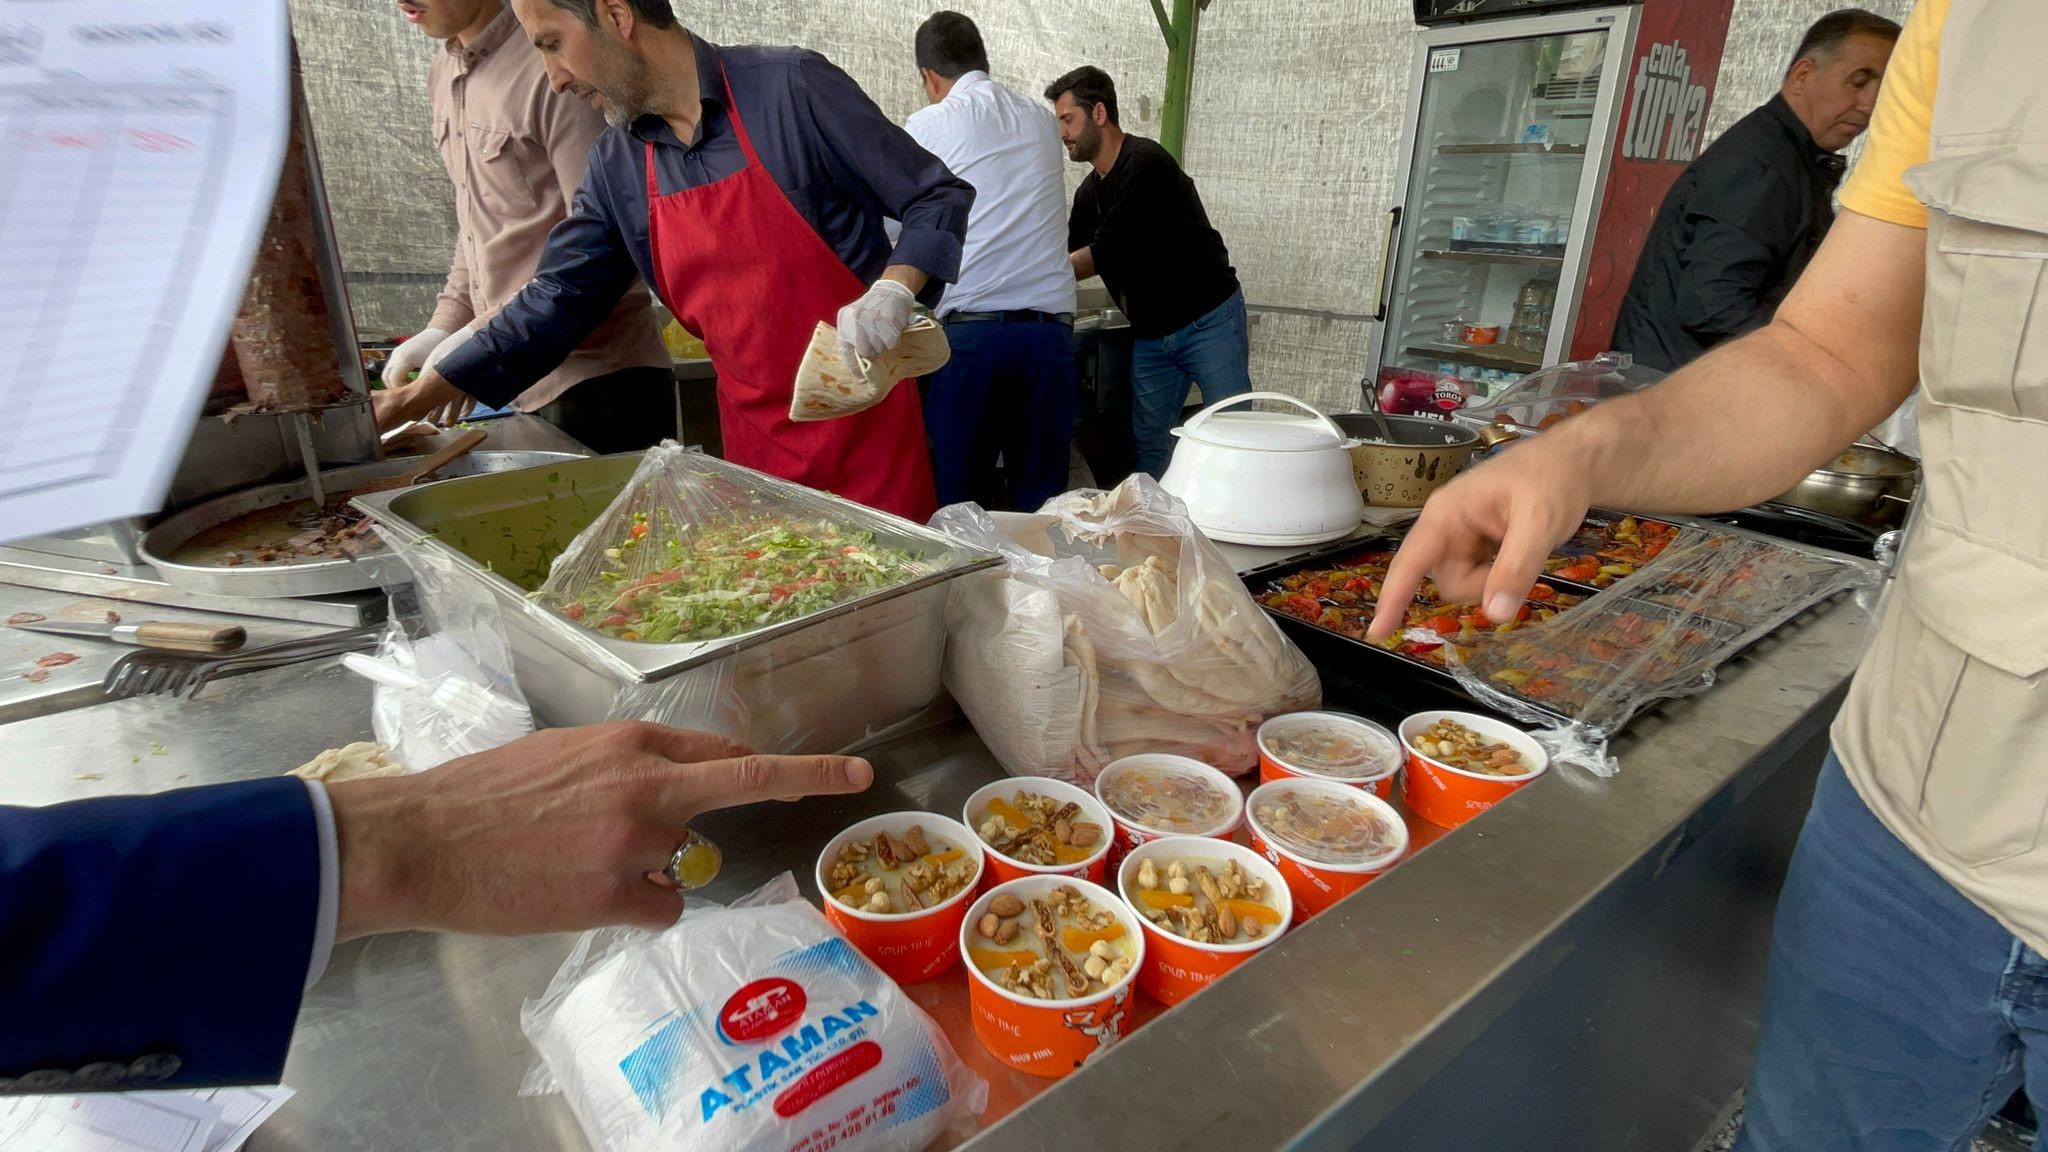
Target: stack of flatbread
pixel 1065 663
pixel 826 388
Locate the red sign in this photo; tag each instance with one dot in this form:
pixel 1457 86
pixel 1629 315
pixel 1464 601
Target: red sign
pixel 1662 120
pixel 761 1009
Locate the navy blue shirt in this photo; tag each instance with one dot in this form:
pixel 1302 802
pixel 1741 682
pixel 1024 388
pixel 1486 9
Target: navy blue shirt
pixel 840 161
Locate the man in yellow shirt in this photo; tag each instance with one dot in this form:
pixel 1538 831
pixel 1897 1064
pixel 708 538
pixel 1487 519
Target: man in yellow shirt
pixel 1907 993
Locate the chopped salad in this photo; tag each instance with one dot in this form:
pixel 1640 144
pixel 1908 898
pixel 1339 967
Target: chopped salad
pixel 725 580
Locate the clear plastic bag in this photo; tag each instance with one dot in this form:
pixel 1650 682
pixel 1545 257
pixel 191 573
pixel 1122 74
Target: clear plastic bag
pixel 752 1028
pixel 447 638
pixel 691 551
pixel 1115 627
pixel 1655 635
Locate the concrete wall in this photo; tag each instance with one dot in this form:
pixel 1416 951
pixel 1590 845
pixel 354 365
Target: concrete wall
pixel 366 75
pixel 1294 133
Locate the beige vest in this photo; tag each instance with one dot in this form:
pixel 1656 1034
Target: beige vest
pixel 1945 733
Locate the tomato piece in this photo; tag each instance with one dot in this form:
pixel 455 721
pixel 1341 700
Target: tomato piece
pixel 1318 588
pixel 574 611
pixel 614 620
pixel 639 530
pixel 1542 593
pixel 1446 625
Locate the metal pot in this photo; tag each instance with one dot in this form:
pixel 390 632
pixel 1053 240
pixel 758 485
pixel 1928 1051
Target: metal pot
pixel 1402 475
pixel 1864 485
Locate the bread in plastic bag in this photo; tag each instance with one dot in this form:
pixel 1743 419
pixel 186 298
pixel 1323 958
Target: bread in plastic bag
pixel 1114 627
pixel 750 1028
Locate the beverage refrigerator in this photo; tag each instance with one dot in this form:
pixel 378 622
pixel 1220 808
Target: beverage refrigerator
pixel 1540 140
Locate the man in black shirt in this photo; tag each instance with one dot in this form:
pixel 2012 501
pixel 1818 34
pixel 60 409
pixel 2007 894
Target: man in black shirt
pixel 1740 225
pixel 1139 223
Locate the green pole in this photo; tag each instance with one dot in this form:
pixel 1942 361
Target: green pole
pixel 1179 31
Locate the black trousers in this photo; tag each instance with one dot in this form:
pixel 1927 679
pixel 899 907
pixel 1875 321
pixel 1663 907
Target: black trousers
pixel 630 410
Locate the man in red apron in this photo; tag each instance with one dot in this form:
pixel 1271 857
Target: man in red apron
pixel 749 186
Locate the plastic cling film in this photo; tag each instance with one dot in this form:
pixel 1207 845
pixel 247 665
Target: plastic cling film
pixel 693 549
pixel 754 1028
pixel 1657 634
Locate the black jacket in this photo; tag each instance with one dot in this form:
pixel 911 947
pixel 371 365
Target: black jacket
pixel 1730 240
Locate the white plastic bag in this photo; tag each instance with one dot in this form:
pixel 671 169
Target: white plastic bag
pixel 444 669
pixel 754 1028
pixel 1115 627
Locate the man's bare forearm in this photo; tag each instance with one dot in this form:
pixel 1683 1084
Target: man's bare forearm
pixel 1746 421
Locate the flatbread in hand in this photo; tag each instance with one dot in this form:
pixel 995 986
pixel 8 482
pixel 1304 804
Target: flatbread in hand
pixel 827 389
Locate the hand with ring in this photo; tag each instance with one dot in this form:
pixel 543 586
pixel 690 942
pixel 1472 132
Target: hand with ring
pixel 566 829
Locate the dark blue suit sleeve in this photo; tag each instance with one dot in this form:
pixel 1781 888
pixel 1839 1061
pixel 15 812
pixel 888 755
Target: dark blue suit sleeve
pixel 583 272
pixel 883 169
pixel 164 938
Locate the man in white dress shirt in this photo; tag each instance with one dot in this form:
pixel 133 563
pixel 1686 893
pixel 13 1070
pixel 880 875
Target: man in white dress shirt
pixel 1009 390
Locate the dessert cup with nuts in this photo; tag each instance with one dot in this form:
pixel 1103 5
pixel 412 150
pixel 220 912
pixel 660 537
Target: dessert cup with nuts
pixel 1051 964
pixel 1032 826
pixel 1327 839
pixel 1152 795
pixel 1462 763
pixel 1205 906
pixel 898 886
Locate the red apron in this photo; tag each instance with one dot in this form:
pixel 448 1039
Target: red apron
pixel 745 272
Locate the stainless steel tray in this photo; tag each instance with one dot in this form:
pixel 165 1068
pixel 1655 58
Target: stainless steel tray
pixel 307 578
pixel 809 684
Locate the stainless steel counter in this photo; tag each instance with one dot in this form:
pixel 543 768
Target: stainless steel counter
pixel 1524 973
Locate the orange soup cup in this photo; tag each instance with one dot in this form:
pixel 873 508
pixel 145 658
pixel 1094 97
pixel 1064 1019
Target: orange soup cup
pixel 1049 1037
pixel 1188 773
pixel 1447 796
pixel 910 946
pixel 1000 868
pixel 1321 875
pixel 1378 776
pixel 1174 967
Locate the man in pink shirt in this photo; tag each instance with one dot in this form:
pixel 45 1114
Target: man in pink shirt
pixel 516 151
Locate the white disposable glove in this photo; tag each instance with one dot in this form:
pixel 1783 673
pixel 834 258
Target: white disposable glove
pixel 458 411
pixel 411 356
pixel 874 323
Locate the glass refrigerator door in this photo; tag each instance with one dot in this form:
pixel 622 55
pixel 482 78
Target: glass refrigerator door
pixel 1492 204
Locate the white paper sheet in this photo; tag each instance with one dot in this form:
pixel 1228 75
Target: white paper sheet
pixel 141 150
pixel 139 1122
pixel 206 1120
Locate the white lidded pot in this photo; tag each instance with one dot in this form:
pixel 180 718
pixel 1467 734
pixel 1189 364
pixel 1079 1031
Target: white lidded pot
pixel 1266 478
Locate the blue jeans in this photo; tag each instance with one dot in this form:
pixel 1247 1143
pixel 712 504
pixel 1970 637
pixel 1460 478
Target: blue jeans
pixel 1215 352
pixel 1898 1015
pixel 1008 391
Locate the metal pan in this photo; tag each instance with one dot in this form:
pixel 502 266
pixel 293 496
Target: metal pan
pixel 315 577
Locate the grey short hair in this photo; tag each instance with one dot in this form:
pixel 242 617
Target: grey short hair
pixel 655 12
pixel 1830 32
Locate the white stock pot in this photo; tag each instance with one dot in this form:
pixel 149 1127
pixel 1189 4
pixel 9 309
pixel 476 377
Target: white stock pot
pixel 1266 478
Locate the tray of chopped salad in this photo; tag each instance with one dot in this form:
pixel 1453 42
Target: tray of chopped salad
pixel 676 587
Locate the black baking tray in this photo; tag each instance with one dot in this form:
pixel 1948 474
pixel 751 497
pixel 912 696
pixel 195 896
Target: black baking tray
pixel 1353 671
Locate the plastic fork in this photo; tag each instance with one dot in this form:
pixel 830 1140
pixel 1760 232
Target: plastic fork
pixel 148 672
